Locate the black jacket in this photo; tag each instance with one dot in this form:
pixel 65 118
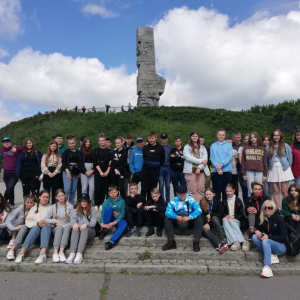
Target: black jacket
pixel 102 158
pixel 275 228
pixel 176 163
pixel 217 211
pixel 119 160
pixel 238 209
pixel 132 202
pixel 153 156
pixel 160 205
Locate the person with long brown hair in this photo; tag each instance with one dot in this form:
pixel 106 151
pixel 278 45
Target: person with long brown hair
pixel 86 165
pixel 291 207
pixel 268 186
pixel 195 167
pixel 51 167
pixel 29 168
pixel 296 156
pixel 5 211
pixel 280 159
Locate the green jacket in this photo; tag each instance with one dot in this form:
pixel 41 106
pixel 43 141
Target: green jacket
pixel 117 205
pixel 62 149
pixel 286 211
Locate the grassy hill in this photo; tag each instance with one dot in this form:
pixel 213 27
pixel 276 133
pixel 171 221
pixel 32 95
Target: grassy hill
pixel 172 120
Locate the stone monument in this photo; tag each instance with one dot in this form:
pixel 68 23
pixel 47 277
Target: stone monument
pixel 150 86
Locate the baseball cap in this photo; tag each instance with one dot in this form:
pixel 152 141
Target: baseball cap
pixel 181 189
pixel 139 139
pixel 5 139
pixel 85 197
pixel 164 136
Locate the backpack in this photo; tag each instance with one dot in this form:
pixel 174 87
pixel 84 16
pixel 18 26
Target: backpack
pixel 293 241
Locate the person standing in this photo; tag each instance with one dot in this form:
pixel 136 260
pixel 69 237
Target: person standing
pixel 10 155
pixel 61 147
pixel 296 156
pixel 136 160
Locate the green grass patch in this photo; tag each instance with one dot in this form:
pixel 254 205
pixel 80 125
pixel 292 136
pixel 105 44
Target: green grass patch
pixel 145 255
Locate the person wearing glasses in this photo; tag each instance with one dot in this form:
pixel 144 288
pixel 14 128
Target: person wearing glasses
pixel 270 236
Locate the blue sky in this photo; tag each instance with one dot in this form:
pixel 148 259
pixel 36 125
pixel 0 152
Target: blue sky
pixel 102 34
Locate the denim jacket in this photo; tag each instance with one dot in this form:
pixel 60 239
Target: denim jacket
pixel 286 159
pixel 189 160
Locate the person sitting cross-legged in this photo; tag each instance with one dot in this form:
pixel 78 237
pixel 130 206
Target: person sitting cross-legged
pixel 183 212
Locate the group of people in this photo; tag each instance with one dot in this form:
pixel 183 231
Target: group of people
pixel 205 182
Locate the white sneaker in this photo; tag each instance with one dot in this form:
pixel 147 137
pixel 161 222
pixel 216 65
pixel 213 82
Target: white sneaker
pixel 274 259
pixel 78 259
pixel 266 272
pixel 19 258
pixel 11 243
pixel 62 257
pixel 55 257
pixel 100 207
pixel 70 258
pixel 10 255
pixel 42 258
pixel 96 208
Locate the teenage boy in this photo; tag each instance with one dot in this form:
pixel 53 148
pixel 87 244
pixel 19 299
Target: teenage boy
pixel 108 145
pixel 113 214
pixel 134 206
pixel 61 147
pixel 234 162
pixel 154 213
pixel 10 155
pixel 136 160
pixel 176 164
pixel 153 159
pixel 183 212
pixel 165 171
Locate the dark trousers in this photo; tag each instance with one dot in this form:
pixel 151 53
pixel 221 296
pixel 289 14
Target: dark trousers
pixel 154 218
pixel 52 185
pixel 136 178
pixel 293 223
pixel 219 184
pixel 100 188
pixel 31 185
pixel 235 183
pixel 216 224
pixel 196 223
pixel 79 188
pixel 119 181
pixel 243 185
pixel 177 179
pixel 149 180
pixel 130 215
pixel 10 181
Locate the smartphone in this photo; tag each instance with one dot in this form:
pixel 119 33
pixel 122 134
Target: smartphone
pixel 262 235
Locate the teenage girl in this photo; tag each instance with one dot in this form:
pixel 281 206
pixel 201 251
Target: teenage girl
pixel 296 156
pixel 58 215
pixel 5 212
pixel 268 186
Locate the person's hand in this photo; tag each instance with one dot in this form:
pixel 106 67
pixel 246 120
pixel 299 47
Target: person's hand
pixel 105 174
pixel 102 225
pixel 206 226
pixel 204 162
pixel 75 227
pixel 58 223
pixel 220 172
pixel 111 225
pixel 249 210
pixel 198 170
pixel 245 177
pixel 17 228
pixel 258 233
pixel 13 149
pixel 230 218
pixel 69 176
pixel 185 219
pixel 182 157
pixel 139 205
pixel 218 166
pixel 265 237
pixel 264 178
pixel 42 223
pixel 254 210
pixel 101 173
pixel 51 175
pixel 179 219
pixel 117 172
pixel 83 227
pixel 172 155
pixel 208 217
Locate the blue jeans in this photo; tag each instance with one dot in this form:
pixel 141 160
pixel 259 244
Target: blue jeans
pixel 177 177
pixel 164 181
pixel 268 247
pixel 70 187
pixel 121 226
pixel 297 181
pixel 233 231
pixel 253 176
pixel 35 232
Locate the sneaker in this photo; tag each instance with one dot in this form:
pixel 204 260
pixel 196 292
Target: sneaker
pixel 19 258
pixel 62 257
pixel 102 234
pixel 246 246
pixel 129 232
pixel 42 258
pixel 70 258
pixel 78 259
pixel 96 208
pixel 223 247
pixel 100 208
pixel 266 272
pixel 138 231
pixel 150 231
pixel 11 243
pixel 235 246
pixel 274 259
pixel 171 244
pixel 196 246
pixel 108 245
pixel 10 255
pixel 159 232
pixel 55 257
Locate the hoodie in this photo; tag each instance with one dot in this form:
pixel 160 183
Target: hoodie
pixel 10 158
pixel 221 154
pixel 136 161
pixel 118 205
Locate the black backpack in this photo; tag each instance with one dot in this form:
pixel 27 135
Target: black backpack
pixel 293 241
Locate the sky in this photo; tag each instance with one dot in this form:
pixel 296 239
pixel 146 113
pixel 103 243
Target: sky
pixel 229 54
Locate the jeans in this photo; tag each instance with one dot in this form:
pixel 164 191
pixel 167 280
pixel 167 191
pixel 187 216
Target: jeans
pixel 268 189
pixel 215 223
pixel 36 231
pixel 10 180
pixel 70 187
pixel 164 181
pixel 253 176
pixel 297 181
pixel 233 231
pixel 219 184
pixel 177 177
pixel 121 226
pixel 269 247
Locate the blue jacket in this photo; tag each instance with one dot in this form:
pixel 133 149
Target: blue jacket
pixel 136 160
pixel 19 162
pixel 176 207
pixel 286 159
pixel 221 154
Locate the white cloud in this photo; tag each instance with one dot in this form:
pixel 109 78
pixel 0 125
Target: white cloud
pixel 56 81
pixel 208 63
pixel 10 18
pixel 9 114
pixel 3 53
pixel 95 9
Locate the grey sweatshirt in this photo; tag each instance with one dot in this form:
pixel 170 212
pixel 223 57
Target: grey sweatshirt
pixel 90 221
pixel 61 213
pixel 12 218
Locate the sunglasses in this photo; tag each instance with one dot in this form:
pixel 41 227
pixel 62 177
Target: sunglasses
pixel 268 207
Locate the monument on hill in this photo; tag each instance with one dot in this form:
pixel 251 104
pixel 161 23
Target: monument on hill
pixel 150 86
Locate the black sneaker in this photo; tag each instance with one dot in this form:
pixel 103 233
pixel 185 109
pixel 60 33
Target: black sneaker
pixel 196 246
pixel 108 245
pixel 171 244
pixel 150 231
pixel 102 234
pixel 158 232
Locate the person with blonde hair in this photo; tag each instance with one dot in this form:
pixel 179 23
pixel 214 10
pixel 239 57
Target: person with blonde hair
pixel 270 236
